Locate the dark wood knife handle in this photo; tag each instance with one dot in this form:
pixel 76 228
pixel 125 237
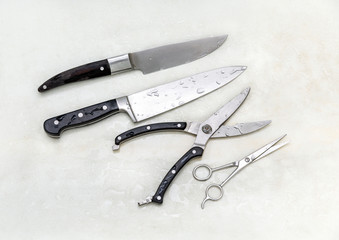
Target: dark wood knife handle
pixel 84 72
pixel 56 125
pixel 166 182
pixel 149 129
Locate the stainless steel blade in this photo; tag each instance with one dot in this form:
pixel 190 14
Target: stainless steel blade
pixel 151 102
pixel 230 131
pixel 240 129
pixel 172 55
pixel 213 123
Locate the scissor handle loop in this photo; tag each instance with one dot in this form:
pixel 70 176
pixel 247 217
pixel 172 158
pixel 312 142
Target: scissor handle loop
pixel 221 192
pixel 202 178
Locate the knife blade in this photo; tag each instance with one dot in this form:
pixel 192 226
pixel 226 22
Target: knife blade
pixel 146 61
pixel 147 103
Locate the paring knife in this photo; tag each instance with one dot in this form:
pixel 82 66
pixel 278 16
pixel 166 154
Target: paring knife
pixel 147 103
pixel 147 61
pixel 189 127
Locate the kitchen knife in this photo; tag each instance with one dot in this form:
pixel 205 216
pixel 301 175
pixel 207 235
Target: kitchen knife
pixel 147 103
pixel 147 61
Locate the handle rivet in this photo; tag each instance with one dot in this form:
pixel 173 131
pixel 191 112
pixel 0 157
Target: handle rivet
pixel 148 127
pixel 102 68
pixel 247 159
pixel 56 122
pixel 178 125
pixel 159 198
pixel 80 115
pixel 104 107
pixel 194 151
pixel 206 129
pixel 173 171
pixel 44 87
pixel 119 138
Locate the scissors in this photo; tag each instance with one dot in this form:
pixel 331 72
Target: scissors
pixel 241 164
pixel 205 131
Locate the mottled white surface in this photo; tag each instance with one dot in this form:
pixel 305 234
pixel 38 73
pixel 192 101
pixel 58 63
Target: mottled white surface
pixel 76 188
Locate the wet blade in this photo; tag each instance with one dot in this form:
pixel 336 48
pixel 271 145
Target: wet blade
pixel 172 55
pixel 218 118
pixel 151 102
pixel 240 129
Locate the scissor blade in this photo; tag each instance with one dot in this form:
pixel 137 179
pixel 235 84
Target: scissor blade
pixel 272 149
pixel 240 129
pixel 265 149
pixel 213 123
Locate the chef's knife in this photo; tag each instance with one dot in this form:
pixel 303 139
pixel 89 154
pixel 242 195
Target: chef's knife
pixel 147 61
pixel 147 103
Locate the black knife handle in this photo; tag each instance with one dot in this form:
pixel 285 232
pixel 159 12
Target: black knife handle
pixel 148 129
pixel 192 153
pixel 54 126
pixel 84 72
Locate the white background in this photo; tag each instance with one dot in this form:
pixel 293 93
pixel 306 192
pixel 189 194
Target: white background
pixel 75 187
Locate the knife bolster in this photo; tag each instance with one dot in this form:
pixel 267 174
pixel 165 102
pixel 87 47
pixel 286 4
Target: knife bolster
pixel 124 106
pixel 119 64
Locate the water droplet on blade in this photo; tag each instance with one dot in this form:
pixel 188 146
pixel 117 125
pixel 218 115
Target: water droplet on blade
pixel 200 90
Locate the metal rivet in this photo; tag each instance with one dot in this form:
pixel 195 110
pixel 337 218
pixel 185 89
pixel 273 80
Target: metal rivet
pixel 247 159
pixel 102 68
pixel 159 198
pixel 44 87
pixel 206 129
pixel 104 107
pixel 80 115
pixel 173 171
pixel 194 151
pixel 148 127
pixel 119 138
pixel 178 125
pixel 56 122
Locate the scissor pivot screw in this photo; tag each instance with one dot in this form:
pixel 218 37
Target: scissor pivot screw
pixel 247 159
pixel 206 129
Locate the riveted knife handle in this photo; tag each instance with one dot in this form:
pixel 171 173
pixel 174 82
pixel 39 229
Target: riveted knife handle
pixel 148 129
pixel 84 72
pixel 113 65
pixel 54 126
pixel 192 153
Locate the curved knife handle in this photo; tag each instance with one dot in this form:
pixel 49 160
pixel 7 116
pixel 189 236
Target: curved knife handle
pixel 54 126
pixel 100 68
pixel 192 153
pixel 84 72
pixel 147 129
